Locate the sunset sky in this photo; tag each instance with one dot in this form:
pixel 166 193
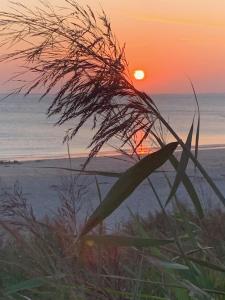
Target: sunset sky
pixel 170 40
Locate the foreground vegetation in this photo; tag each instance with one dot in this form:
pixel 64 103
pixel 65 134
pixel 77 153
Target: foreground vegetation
pixel 176 256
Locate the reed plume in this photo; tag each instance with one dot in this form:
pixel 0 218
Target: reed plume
pixel 74 54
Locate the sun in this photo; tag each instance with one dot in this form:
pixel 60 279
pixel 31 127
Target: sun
pixel 139 74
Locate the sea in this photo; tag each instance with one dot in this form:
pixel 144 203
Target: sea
pixel 26 133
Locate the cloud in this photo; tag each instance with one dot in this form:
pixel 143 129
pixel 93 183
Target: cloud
pixel 180 21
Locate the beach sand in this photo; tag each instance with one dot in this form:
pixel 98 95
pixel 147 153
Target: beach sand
pixel 42 186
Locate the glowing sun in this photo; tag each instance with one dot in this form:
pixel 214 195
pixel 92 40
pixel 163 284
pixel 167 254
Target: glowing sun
pixel 139 74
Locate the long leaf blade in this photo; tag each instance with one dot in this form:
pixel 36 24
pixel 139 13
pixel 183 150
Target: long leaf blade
pixel 182 165
pixel 124 241
pixel 198 124
pixel 25 285
pixel 189 188
pixel 158 262
pixel 187 184
pixel 87 172
pixel 207 264
pixel 127 183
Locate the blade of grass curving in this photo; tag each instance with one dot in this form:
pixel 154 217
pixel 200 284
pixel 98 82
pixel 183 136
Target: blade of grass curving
pixel 98 190
pixel 186 182
pixel 198 124
pixel 124 241
pixel 196 162
pixel 197 139
pixel 86 172
pixel 206 176
pixel 182 166
pixel 170 186
pixel 127 183
pixel 200 262
pixel 158 262
pixel 156 195
pixel 25 285
pixel 206 264
pixel 195 291
pixel 189 188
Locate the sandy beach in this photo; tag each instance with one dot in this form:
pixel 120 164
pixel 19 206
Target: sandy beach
pixel 43 186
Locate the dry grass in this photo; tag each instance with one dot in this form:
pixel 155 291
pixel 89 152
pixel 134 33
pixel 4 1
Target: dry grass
pixel 48 253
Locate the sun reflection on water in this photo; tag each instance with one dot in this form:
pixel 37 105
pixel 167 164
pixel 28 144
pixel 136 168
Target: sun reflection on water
pixel 141 143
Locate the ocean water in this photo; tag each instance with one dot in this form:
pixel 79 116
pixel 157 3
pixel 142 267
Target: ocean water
pixel 179 110
pixel 26 132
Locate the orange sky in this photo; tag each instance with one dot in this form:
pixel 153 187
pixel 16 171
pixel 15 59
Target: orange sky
pixel 169 39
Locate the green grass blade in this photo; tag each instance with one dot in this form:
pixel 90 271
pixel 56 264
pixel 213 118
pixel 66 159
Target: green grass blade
pixel 206 264
pixel 98 190
pixel 159 263
pixel 198 124
pixel 195 161
pixel 182 165
pixel 187 184
pixel 86 172
pixel 127 183
pixel 189 188
pixel 197 138
pixel 25 285
pixel 195 291
pixel 125 241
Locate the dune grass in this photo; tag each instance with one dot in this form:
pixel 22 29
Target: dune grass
pixel 177 256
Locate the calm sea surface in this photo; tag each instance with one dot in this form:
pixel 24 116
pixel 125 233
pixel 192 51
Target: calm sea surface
pixel 26 132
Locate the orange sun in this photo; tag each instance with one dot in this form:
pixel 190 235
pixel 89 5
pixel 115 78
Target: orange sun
pixel 139 74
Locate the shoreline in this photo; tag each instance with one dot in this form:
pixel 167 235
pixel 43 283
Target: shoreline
pixel 106 153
